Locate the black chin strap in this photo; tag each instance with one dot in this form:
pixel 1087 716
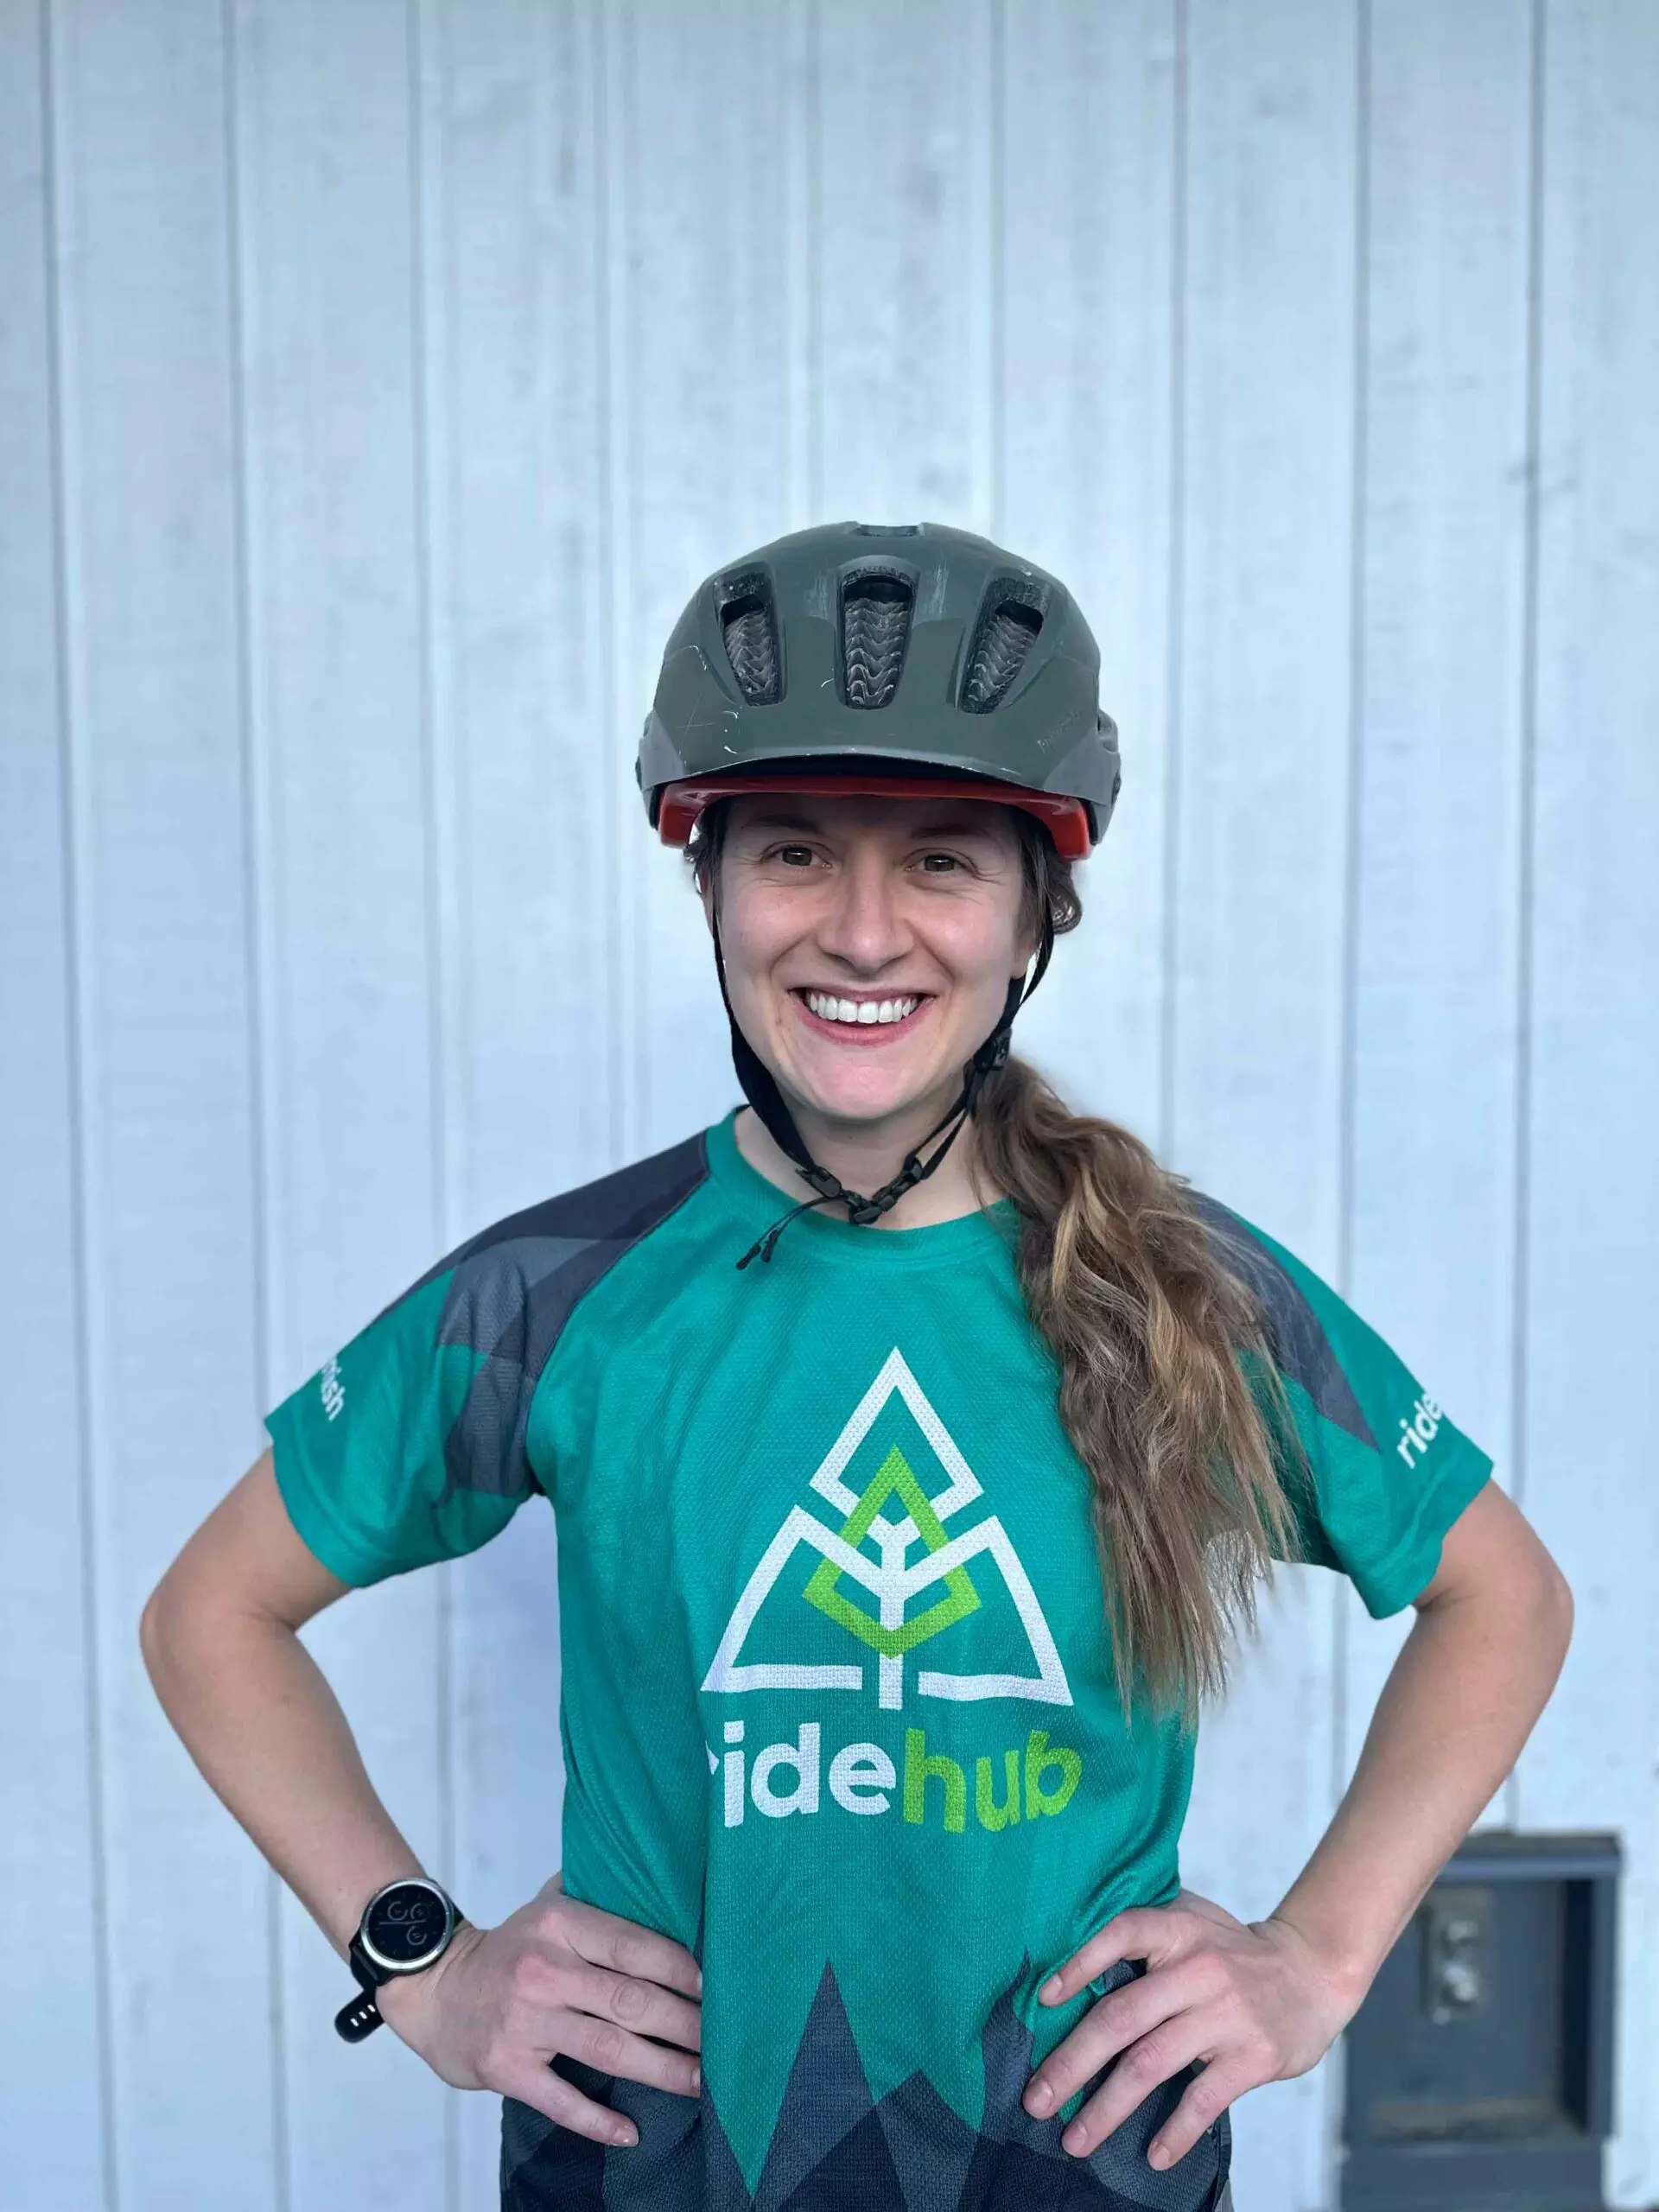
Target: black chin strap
pixel 763 1094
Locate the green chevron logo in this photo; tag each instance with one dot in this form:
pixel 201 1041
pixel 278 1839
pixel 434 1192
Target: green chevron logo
pixel 893 1478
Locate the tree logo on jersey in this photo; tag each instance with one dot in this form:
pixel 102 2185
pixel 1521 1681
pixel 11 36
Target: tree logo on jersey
pixel 895 1581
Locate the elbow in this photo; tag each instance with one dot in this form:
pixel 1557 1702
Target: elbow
pixel 149 1631
pixel 167 1629
pixel 158 1631
pixel 1551 1616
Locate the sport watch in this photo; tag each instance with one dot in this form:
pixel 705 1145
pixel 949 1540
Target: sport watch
pixel 404 1927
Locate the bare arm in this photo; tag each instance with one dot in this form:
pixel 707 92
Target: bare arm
pixel 255 1710
pixel 255 1713
pixel 1478 1668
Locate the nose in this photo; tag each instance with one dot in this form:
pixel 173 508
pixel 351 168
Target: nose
pixel 863 923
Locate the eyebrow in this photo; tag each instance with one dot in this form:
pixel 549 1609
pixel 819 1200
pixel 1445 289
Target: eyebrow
pixel 784 820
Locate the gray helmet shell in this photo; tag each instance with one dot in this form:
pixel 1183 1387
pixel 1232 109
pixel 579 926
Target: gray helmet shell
pixel 888 649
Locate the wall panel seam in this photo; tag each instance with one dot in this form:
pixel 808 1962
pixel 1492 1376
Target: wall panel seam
pixel 254 937
pixel 1174 699
pixel 72 825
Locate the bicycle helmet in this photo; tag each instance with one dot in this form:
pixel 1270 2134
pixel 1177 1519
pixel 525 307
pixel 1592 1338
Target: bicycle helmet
pixel 901 660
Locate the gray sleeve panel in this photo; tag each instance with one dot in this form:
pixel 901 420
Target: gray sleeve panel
pixel 1300 1347
pixel 516 1284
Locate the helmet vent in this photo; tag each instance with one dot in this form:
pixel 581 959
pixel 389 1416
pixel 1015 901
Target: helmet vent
pixel 751 634
pixel 1006 632
pixel 886 529
pixel 875 630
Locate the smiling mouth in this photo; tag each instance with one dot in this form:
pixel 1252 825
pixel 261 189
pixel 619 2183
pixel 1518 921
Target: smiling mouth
pixel 886 1013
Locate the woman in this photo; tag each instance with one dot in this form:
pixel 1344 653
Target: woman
pixel 899 1533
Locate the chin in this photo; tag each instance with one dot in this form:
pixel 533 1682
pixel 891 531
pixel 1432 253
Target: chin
pixel 878 1097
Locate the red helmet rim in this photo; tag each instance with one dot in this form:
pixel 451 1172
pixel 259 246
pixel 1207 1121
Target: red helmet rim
pixel 1067 819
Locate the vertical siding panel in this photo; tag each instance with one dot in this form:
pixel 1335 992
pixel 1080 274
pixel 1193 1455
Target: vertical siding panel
pixel 162 1017
pixel 700 339
pixel 1591 1410
pixel 54 2074
pixel 334 473
pixel 517 487
pixel 525 781
pixel 1441 798
pixel 1086 376
pixel 1260 841
pixel 904 249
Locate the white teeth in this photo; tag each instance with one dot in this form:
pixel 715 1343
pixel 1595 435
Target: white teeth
pixel 868 1010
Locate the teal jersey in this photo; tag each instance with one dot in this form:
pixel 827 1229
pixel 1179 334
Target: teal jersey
pixel 838 1707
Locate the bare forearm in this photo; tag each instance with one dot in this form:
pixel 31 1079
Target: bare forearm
pixel 257 1714
pixel 1460 1702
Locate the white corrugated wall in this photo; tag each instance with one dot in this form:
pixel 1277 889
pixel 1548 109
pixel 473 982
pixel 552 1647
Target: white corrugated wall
pixel 377 378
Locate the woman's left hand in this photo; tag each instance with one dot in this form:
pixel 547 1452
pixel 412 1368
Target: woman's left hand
pixel 1255 2003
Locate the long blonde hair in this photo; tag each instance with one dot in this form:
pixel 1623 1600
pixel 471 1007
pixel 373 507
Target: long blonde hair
pixel 1169 1390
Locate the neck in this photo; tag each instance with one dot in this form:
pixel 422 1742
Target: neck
pixel 866 1157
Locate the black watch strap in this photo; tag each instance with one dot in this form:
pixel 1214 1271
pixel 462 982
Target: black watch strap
pixel 369 1976
pixel 358 2019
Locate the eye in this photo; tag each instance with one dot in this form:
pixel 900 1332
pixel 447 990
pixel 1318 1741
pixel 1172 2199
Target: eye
pixel 804 855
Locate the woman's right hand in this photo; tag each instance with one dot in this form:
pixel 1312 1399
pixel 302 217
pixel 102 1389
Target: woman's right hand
pixel 556 1978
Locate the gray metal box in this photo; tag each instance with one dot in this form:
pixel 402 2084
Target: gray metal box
pixel 1479 2067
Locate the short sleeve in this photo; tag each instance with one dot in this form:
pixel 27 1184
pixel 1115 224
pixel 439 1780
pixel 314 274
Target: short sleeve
pixel 410 1444
pixel 1391 1471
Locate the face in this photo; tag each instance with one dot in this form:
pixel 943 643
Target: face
pixel 908 908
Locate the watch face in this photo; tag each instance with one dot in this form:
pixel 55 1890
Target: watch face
pixel 406 1925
